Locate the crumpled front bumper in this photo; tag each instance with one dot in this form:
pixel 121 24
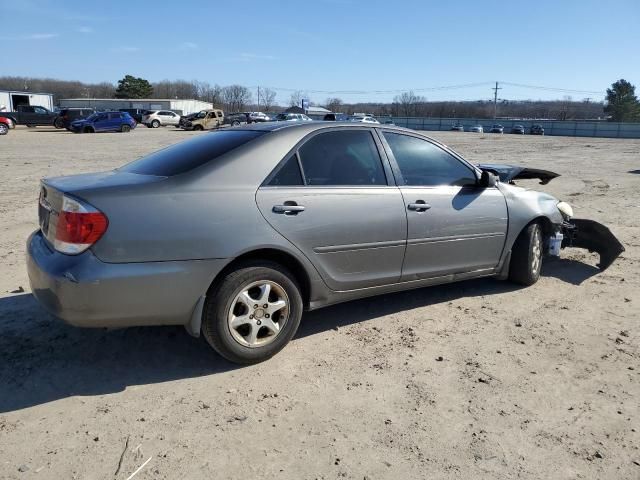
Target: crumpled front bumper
pixel 595 237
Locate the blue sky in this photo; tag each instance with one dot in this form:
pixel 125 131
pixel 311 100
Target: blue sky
pixel 324 46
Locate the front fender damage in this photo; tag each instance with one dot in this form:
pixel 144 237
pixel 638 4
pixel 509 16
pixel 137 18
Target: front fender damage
pixel 595 237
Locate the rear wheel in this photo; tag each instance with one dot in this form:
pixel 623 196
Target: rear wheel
pixel 526 256
pixel 3 129
pixel 58 123
pixel 155 124
pixel 235 123
pixel 198 128
pixel 253 312
pixel 125 128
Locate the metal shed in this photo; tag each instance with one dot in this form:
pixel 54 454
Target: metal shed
pixel 10 99
pixel 183 107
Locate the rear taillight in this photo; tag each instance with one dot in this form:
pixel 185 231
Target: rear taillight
pixel 79 226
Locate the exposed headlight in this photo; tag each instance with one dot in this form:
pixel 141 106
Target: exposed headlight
pixel 565 210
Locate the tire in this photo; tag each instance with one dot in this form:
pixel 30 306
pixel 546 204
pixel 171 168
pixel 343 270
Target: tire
pixel 197 128
pixel 58 123
pixel 88 130
pixel 125 128
pixel 155 124
pixel 3 129
pixel 526 256
pixel 235 123
pixel 256 335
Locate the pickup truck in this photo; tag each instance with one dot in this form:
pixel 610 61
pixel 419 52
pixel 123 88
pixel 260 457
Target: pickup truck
pixel 31 116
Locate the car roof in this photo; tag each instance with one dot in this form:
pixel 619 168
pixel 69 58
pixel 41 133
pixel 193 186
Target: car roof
pixel 317 125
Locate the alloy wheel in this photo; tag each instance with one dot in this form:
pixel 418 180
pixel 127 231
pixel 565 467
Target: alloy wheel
pixel 258 313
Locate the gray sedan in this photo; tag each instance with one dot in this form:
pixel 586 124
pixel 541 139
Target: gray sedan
pixel 235 233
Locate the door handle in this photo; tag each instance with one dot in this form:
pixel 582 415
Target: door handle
pixel 289 208
pixel 419 206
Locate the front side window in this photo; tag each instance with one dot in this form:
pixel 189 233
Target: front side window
pixel 40 110
pixel 422 163
pixel 347 157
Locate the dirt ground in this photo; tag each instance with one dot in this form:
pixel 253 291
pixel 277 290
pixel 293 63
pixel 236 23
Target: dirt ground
pixel 480 379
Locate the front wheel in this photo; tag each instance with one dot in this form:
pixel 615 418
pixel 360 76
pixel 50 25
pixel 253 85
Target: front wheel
pixel 3 129
pixel 198 128
pixel 253 312
pixel 59 123
pixel 526 256
pixel 155 124
pixel 125 128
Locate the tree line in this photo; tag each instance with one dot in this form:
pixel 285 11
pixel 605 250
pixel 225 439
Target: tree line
pixel 621 103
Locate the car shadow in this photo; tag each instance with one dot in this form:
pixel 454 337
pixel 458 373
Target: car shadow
pixel 570 271
pixel 637 172
pixel 42 359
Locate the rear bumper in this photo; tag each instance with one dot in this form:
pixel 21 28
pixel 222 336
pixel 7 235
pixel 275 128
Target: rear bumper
pixel 86 292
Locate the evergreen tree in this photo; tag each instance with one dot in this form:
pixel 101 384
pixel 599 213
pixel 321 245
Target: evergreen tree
pixel 622 103
pixel 132 87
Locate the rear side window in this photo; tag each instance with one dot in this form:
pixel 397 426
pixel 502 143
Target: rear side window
pixel 288 175
pixel 422 163
pixel 113 116
pixel 347 157
pixel 188 155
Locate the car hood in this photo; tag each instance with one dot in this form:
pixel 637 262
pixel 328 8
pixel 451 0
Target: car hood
pixel 509 173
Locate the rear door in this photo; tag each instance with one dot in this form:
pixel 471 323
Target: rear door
pixel 454 226
pixel 333 199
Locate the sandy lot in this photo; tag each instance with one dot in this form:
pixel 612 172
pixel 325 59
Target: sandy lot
pixel 480 379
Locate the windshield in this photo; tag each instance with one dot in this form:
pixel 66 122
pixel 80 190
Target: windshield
pixel 188 155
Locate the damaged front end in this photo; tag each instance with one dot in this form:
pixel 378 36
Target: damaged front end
pixel 573 232
pixel 595 237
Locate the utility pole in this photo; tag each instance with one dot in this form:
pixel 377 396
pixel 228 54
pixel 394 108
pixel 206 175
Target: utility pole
pixel 258 98
pixel 495 100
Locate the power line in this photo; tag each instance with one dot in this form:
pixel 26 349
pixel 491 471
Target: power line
pixel 437 88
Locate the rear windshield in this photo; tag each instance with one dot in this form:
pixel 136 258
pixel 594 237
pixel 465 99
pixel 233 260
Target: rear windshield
pixel 188 155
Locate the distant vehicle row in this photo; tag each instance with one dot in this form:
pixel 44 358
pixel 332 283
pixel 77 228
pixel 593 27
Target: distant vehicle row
pixel 535 129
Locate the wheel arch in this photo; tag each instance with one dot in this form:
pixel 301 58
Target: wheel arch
pixel 270 254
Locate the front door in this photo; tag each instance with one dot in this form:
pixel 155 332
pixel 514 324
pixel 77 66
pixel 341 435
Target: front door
pixel 333 201
pixel 454 226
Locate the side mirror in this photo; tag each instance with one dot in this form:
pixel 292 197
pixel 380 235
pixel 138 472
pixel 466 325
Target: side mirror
pixel 487 180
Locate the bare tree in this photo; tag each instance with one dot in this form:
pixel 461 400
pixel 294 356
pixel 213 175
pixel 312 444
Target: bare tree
pixel 333 104
pixel 407 103
pixel 296 98
pixel 236 97
pixel 268 98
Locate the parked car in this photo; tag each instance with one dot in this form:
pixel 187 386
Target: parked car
pixel 234 233
pixel 292 117
pixel 336 117
pixel 68 115
pixel 536 129
pixel 203 120
pixel 160 118
pixel 6 124
pixel 31 116
pixel 363 119
pixel 104 122
pixel 477 129
pixel 518 129
pixel 136 113
pixel 257 117
pixel 235 119
pixel 458 127
pixel 496 129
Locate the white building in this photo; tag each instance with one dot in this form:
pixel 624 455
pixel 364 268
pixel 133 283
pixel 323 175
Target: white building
pixel 183 107
pixel 9 100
